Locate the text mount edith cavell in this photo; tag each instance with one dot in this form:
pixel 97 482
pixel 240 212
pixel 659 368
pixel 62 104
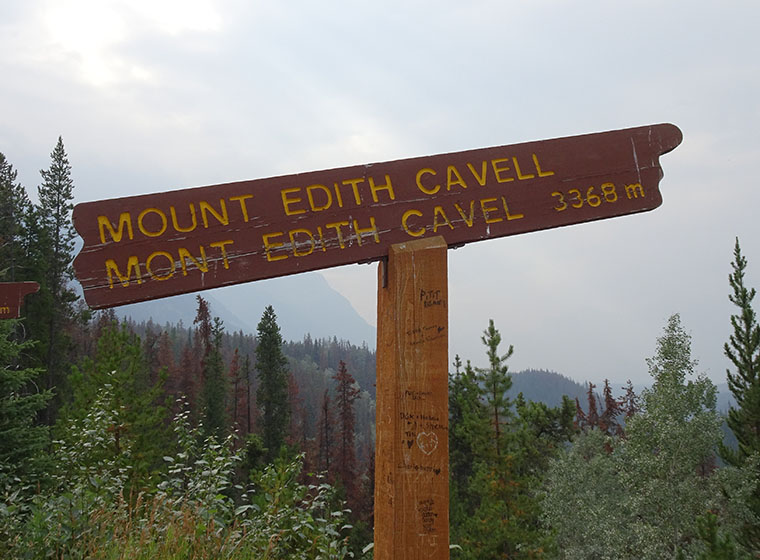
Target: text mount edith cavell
pixel 144 247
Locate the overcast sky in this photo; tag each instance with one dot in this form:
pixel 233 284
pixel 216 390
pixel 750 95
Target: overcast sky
pixel 151 95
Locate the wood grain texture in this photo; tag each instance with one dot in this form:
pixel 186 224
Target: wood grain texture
pixel 411 458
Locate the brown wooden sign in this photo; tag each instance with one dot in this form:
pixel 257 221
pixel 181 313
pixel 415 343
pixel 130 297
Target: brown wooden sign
pixel 12 297
pixel 145 247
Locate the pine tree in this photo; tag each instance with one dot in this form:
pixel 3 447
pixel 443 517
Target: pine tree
pixel 246 374
pixel 238 401
pixel 50 253
pixel 603 417
pixel 506 452
pixel 468 436
pixel 296 437
pixel 14 206
pixel 272 391
pixel 346 393
pixel 215 421
pixel 325 435
pixel 743 349
pixel 139 421
pixel 22 441
pixel 496 381
pixel 630 402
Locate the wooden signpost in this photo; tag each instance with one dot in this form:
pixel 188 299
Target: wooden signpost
pixel 404 213
pixel 412 437
pixel 12 297
pixel 143 247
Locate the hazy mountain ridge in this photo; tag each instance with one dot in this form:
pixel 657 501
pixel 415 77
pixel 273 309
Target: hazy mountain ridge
pixel 305 304
pixel 545 386
pixel 549 386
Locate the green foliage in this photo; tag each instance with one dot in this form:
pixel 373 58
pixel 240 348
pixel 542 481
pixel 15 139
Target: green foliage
pixel 468 430
pixel 23 444
pixel 743 349
pixel 497 452
pixel 719 545
pixel 272 392
pixel 137 432
pixel 215 386
pixel 191 514
pixel 14 206
pixel 640 496
pixel 496 381
pixel 49 254
pixel 346 393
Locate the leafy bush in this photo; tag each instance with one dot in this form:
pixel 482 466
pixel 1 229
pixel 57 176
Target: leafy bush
pixel 195 511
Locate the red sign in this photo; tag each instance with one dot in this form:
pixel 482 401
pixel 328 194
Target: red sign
pixel 12 296
pixel 150 246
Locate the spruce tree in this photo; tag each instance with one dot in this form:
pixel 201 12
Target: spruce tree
pixel 272 392
pixel 23 442
pixel 139 434
pixel 346 393
pixel 50 254
pixel 215 390
pixel 496 381
pixel 14 206
pixel 213 381
pixel 325 435
pixel 743 349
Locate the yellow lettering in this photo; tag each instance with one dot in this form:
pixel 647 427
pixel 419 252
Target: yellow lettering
pixel 220 245
pixel 294 244
pixel 634 191
pixel 472 212
pixel 170 268
pixel 481 179
pixel 141 226
pixel 487 209
pixel 207 208
pixel 173 213
pixel 361 231
pixel 405 217
pixel 426 171
pixel 438 211
pixel 519 173
pixel 338 195
pixel 201 264
pixel 386 187
pixel 269 245
pixel 506 210
pixel 125 221
pixel 454 178
pixel 541 172
pixel 5 310
pixel 498 169
pixel 355 186
pixel 243 208
pixel 336 226
pixel 132 264
pixel 287 201
pixel 315 207
pixel 321 239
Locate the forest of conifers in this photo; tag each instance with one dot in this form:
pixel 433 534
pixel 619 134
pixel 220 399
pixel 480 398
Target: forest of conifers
pixel 127 440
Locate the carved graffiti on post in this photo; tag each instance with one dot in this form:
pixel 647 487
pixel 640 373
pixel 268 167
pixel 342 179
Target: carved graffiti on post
pixel 412 441
pixel 144 247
